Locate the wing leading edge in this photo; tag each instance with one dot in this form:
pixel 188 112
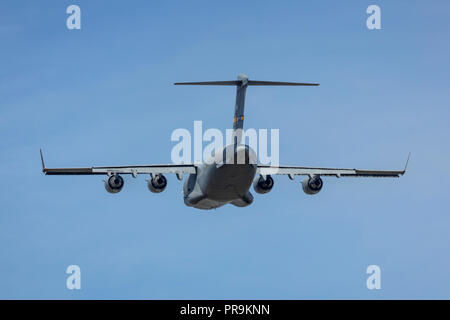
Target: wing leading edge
pixel 336 172
pixel 178 169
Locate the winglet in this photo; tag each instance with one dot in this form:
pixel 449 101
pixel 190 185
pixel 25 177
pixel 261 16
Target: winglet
pixel 42 162
pixel 406 164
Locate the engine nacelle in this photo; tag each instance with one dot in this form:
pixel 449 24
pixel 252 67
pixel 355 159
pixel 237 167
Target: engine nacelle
pixel 114 183
pixel 157 183
pixel 262 185
pixel 312 185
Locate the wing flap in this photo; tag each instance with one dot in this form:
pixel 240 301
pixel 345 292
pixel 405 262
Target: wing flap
pixel 336 172
pixel 153 169
pixel 67 171
pixel 134 170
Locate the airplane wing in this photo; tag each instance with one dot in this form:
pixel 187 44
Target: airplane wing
pixel 336 172
pixel 178 169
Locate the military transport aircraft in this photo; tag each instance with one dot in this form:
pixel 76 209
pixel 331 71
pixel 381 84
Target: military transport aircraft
pixel 224 179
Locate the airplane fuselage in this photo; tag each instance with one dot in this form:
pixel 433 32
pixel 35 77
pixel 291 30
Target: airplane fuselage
pixel 225 178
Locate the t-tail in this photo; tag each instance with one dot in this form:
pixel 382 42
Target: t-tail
pixel 241 84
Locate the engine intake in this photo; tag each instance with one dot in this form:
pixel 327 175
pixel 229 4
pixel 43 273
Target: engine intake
pixel 157 183
pixel 114 183
pixel 262 185
pixel 312 185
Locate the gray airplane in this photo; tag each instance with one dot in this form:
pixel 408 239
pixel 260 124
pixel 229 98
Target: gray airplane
pixel 229 174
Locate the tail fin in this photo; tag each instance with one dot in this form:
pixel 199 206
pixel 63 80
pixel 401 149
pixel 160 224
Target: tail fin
pixel 241 84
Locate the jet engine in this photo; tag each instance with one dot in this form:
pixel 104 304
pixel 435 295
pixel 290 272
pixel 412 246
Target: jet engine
pixel 114 183
pixel 262 185
pixel 157 183
pixel 312 185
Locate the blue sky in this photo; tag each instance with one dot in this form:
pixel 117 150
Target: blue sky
pixel 103 95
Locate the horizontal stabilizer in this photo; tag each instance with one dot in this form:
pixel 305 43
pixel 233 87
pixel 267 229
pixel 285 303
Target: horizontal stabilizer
pixel 278 83
pixel 211 83
pixel 246 82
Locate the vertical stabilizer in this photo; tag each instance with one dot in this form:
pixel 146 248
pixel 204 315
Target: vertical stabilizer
pixel 238 120
pixel 241 84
